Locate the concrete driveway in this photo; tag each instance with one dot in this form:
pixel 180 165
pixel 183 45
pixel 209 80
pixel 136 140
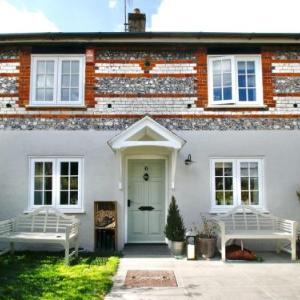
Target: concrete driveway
pixel 275 278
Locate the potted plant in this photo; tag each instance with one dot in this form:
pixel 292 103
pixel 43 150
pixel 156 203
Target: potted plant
pixel 174 229
pixel 206 242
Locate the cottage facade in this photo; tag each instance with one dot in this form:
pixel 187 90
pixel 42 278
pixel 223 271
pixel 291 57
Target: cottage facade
pixel 119 116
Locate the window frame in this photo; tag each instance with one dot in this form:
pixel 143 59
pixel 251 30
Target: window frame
pixel 236 162
pixel 57 58
pixel 56 182
pixel 234 79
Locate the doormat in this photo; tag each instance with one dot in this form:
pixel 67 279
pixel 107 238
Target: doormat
pixel 144 278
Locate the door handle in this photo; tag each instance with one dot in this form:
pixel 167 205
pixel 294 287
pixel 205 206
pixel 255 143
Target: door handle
pixel 142 208
pixel 128 202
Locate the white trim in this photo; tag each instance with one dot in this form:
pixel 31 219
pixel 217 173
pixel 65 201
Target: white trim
pixel 234 77
pixel 57 59
pixel 79 208
pixel 236 183
pixel 167 189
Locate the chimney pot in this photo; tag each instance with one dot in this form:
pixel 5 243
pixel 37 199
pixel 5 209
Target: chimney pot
pixel 136 21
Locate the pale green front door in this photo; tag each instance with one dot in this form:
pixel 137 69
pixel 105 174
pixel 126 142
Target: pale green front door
pixel 146 200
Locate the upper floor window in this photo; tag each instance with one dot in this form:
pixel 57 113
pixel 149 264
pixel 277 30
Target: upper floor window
pixel 57 80
pixel 235 79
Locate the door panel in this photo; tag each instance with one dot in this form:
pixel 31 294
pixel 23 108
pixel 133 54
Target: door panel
pixel 146 226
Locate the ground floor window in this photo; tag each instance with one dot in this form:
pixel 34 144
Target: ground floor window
pixel 56 182
pixel 235 182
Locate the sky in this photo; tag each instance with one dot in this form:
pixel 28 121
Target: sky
pixel 162 15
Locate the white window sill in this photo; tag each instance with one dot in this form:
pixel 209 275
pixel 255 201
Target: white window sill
pixel 236 106
pixel 63 210
pixel 215 211
pixel 56 106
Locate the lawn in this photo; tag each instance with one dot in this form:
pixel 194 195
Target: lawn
pixel 36 275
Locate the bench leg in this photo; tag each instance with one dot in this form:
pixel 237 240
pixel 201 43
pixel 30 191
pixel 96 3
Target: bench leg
pixel 76 246
pixel 294 249
pixel 12 247
pixel 278 246
pixel 67 253
pixel 223 249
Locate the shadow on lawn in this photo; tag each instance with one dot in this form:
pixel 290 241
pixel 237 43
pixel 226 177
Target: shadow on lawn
pixel 42 275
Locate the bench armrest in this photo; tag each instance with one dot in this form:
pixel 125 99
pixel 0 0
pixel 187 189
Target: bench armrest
pixel 6 226
pixel 72 230
pixel 221 225
pixel 287 225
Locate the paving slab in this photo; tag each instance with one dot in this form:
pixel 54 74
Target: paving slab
pixel 275 278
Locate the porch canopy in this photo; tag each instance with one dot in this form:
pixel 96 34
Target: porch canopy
pixel 147 133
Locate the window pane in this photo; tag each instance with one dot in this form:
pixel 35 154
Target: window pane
pixel 49 81
pixel 251 94
pixel 217 67
pixel 229 198
pixel 40 81
pixel 64 198
pixel 226 65
pixel 48 198
pixel 244 169
pixel 254 198
pixel 38 198
pixel 250 67
pixel 219 169
pixel 74 168
pixel 74 183
pixel 74 94
pixel 74 80
pixel 65 94
pixel 253 169
pixel 251 80
pixel 38 168
pixel 48 183
pixel 73 198
pixel 228 169
pixel 228 183
pixel 41 67
pixel 66 67
pixel 241 67
pixel 219 198
pixel 242 95
pixel 217 94
pixel 227 79
pixel 242 81
pixel 254 183
pixel 219 183
pixel 227 93
pixel 40 93
pixel 244 184
pixel 64 168
pixel 217 80
pixel 48 168
pixel 245 198
pixel 75 67
pixel 65 80
pixel 50 67
pixel 48 94
pixel 38 183
pixel 64 183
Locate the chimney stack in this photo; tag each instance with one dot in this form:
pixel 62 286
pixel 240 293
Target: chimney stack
pixel 136 21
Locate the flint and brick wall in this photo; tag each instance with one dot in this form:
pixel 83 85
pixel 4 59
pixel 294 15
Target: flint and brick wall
pixel 162 82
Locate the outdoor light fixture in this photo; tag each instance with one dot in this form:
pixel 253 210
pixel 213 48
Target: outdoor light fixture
pixel 189 161
pixel 191 245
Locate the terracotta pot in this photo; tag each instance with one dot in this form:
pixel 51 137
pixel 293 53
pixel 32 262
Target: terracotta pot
pixel 177 248
pixel 206 247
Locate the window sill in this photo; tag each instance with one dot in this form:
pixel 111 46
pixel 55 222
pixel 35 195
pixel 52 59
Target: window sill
pixel 63 210
pixel 54 107
pixel 215 211
pixel 236 107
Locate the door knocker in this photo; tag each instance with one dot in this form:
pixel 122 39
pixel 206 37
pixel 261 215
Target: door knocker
pixel 146 175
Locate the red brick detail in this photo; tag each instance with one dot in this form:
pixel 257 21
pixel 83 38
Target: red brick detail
pixel 24 76
pixel 202 88
pixel 124 95
pixel 266 57
pixel 286 74
pixel 90 82
pixel 144 75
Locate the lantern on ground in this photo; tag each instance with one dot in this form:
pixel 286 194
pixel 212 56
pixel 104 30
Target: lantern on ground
pixel 191 245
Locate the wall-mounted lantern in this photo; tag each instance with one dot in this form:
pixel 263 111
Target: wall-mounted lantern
pixel 189 160
pixel 191 245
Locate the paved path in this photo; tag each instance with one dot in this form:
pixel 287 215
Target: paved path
pixel 275 278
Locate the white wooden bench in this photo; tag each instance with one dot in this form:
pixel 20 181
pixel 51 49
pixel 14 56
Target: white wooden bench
pixel 245 222
pixel 43 225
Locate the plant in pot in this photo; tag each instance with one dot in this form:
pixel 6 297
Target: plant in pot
pixel 174 229
pixel 206 242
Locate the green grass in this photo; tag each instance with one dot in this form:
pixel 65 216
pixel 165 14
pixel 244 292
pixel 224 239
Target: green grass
pixel 36 275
